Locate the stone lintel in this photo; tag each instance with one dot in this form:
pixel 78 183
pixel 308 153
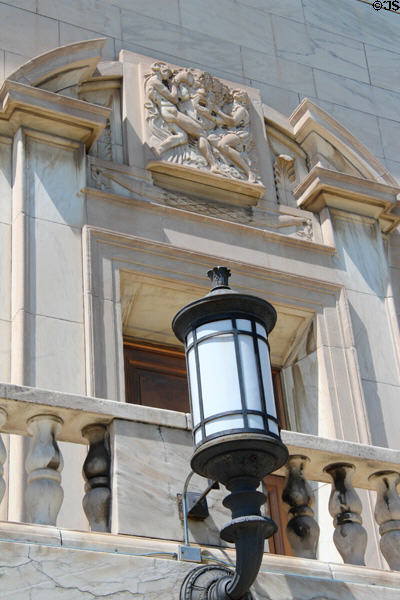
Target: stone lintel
pixel 195 182
pixel 324 187
pixel 25 106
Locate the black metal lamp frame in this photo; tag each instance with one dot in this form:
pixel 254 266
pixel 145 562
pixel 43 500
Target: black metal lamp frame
pixel 238 458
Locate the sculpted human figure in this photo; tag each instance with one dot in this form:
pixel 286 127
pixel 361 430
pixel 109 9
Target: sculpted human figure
pixel 180 124
pixel 234 142
pixel 189 118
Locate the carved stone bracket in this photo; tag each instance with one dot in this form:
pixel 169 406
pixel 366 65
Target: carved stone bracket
pixel 285 178
pixel 44 494
pixel 387 515
pixel 345 506
pixel 302 529
pixel 96 471
pixel 3 454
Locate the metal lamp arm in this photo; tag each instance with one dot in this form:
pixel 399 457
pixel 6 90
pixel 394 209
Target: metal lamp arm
pixel 249 553
pixel 248 530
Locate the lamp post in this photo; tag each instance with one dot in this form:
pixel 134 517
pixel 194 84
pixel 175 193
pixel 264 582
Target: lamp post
pixel 235 427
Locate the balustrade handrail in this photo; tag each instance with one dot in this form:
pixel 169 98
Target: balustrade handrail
pixel 49 416
pixel 79 411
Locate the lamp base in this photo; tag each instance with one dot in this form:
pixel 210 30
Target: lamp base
pixel 237 455
pixel 201 582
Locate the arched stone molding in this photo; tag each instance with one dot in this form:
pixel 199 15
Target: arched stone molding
pixel 62 67
pixel 343 173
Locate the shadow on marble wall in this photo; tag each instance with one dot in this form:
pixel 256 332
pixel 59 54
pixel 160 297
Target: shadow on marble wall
pixel 373 401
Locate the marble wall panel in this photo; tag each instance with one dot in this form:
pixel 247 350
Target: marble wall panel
pixel 360 262
pixel 98 15
pixel 12 62
pixel 149 36
pixel 5 271
pixel 362 125
pixel 104 351
pixel 57 355
pixel 155 8
pixel 387 106
pixel 278 71
pixel 40 33
pixel 55 265
pixel 2 70
pixel 394 249
pixel 356 20
pixel 321 49
pixel 72 33
pixel 390 132
pixel 230 21
pixel 150 465
pixel 344 91
pixel 378 28
pixel 282 100
pixel 5 341
pixel 26 4
pixel 5 180
pixel 373 338
pixel 56 177
pixel 383 67
pixel 382 401
pixel 292 9
pixel 340 17
pixel 393 167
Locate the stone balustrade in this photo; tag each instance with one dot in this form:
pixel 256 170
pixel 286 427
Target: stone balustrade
pixel 49 417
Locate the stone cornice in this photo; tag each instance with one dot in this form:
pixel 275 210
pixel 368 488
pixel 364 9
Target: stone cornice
pixel 323 187
pixel 25 106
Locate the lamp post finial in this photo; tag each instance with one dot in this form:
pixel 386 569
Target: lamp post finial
pixel 219 277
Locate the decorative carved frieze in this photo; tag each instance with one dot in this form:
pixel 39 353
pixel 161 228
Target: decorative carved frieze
pixel 196 120
pixel 295 225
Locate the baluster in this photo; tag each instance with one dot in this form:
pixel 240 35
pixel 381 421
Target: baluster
pixel 96 471
pixel 345 506
pixel 44 494
pixel 302 529
pixel 3 454
pixel 387 515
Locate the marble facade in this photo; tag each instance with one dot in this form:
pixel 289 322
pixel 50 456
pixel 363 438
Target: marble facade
pixel 129 164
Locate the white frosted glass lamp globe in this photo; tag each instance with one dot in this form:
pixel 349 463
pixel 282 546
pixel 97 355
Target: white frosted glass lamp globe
pixel 227 354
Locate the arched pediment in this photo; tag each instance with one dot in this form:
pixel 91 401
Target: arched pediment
pixel 62 67
pixel 312 126
pixel 341 172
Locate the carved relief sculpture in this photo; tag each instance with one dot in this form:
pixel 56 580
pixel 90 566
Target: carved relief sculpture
pixel 196 120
